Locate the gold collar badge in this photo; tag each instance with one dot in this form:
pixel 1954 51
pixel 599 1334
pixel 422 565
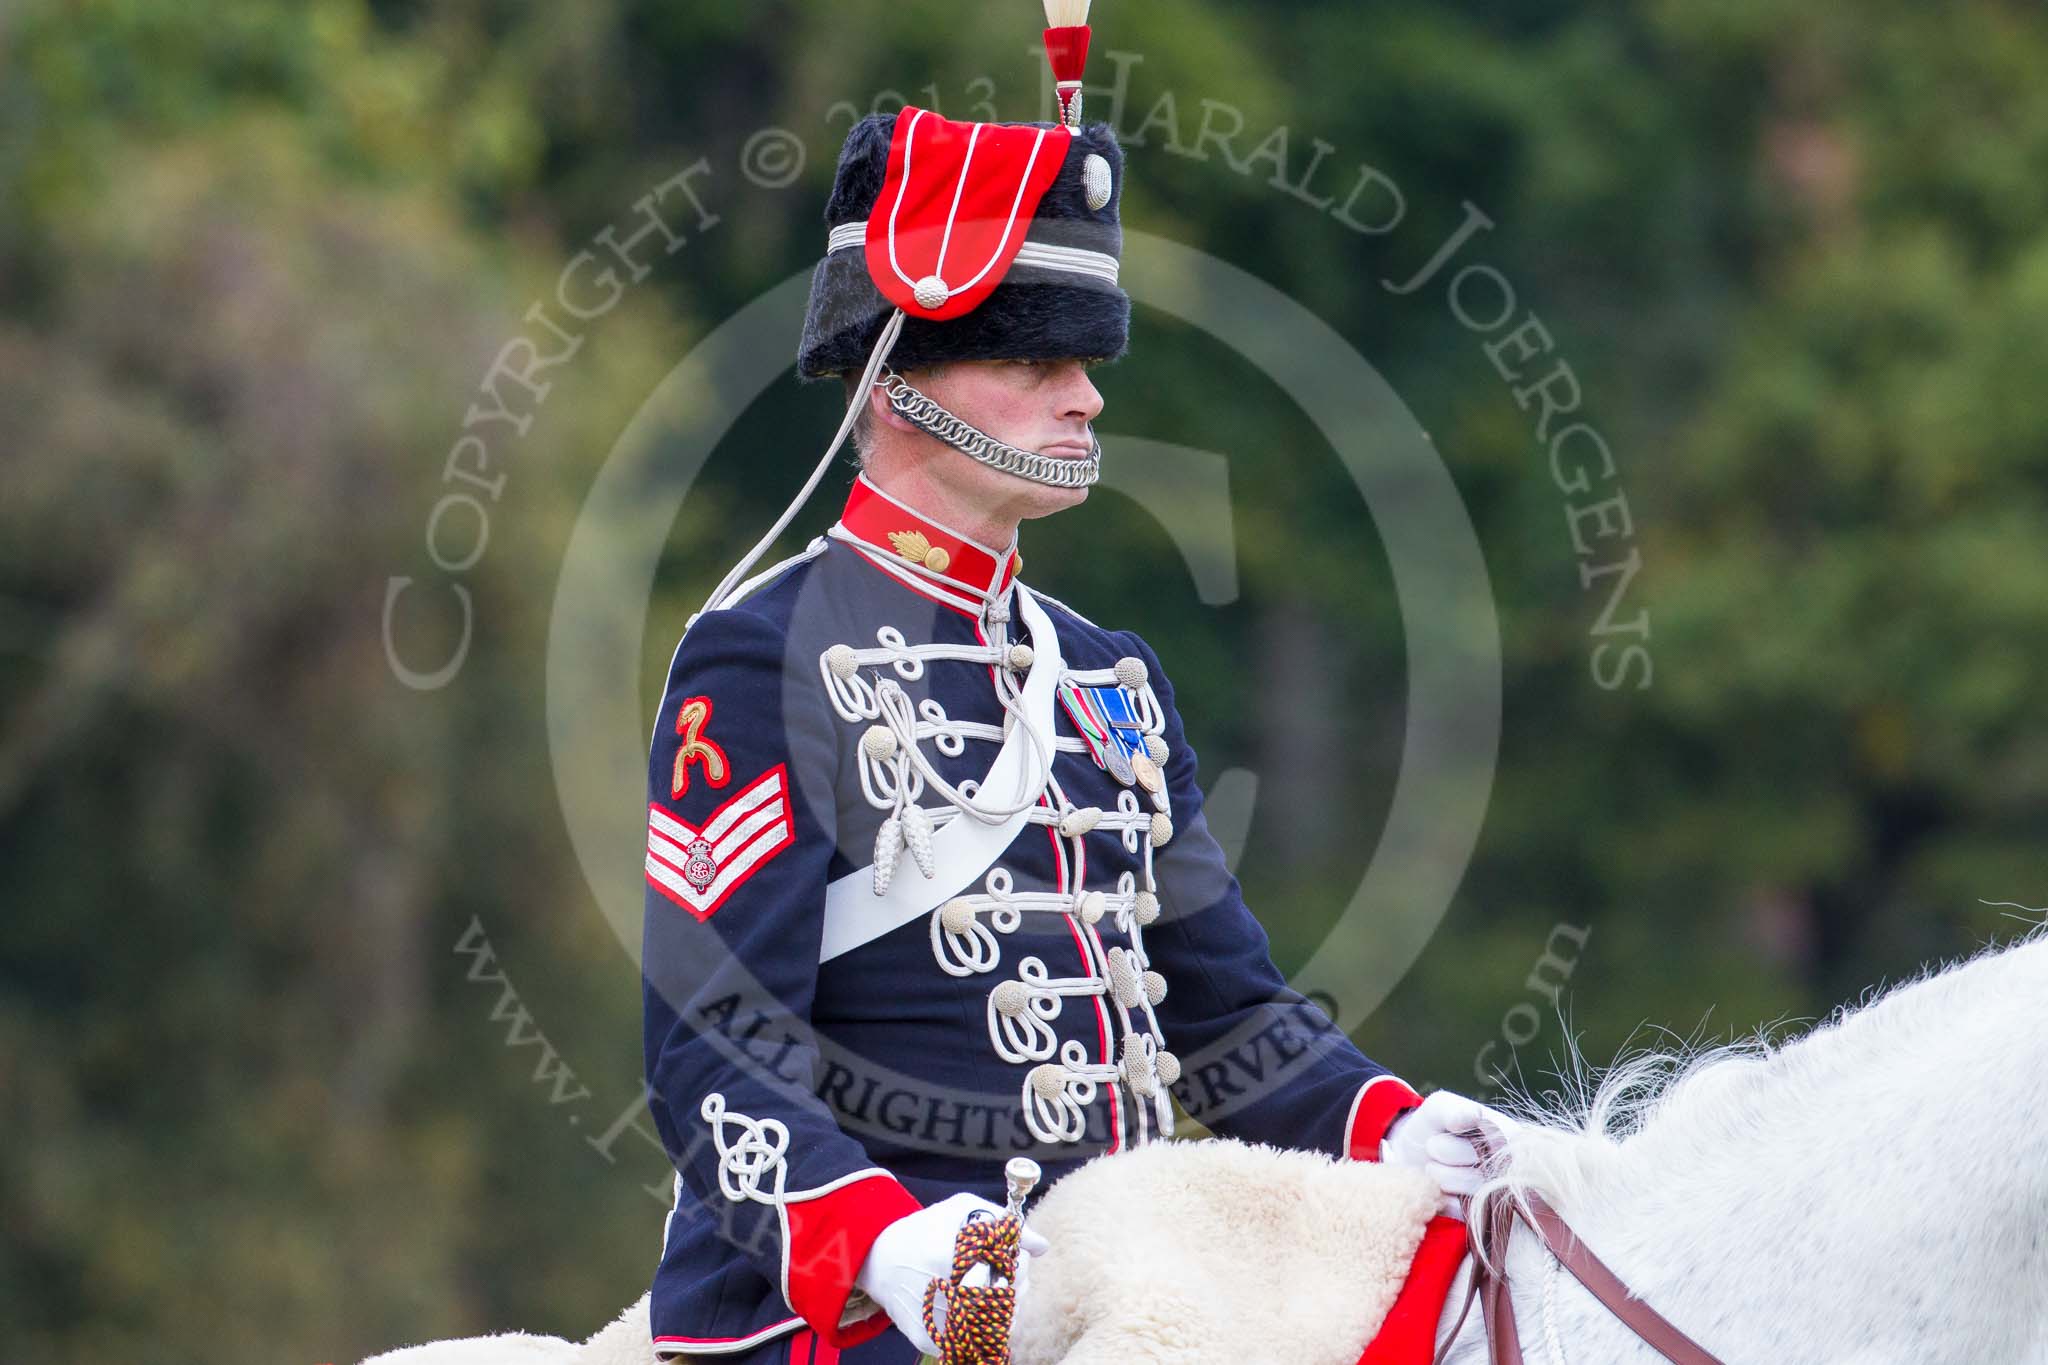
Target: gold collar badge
pixel 915 547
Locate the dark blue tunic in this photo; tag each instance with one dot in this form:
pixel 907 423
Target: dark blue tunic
pixel 823 1058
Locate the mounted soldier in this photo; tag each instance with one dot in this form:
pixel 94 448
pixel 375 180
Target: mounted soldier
pixel 929 885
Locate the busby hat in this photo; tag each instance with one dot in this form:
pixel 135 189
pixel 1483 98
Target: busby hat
pixel 999 241
pixel 965 241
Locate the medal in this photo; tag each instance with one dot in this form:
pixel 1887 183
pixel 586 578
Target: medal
pixel 1109 727
pixel 1119 764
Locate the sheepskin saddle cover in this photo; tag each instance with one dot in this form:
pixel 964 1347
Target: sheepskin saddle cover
pixel 1218 1253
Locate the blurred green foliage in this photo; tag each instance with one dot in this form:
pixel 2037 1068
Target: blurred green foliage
pixel 255 258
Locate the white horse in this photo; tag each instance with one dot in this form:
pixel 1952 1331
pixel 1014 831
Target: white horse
pixel 1874 1193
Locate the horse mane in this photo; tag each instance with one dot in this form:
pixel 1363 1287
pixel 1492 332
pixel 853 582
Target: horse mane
pixel 1695 1101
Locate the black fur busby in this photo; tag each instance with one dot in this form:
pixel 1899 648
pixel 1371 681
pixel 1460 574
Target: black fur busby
pixel 1036 313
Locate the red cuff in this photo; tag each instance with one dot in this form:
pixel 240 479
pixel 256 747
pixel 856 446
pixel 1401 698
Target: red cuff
pixel 1380 1101
pixel 827 1240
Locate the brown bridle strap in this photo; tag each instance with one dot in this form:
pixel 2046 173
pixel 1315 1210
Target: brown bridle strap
pixel 1490 1287
pixel 1606 1286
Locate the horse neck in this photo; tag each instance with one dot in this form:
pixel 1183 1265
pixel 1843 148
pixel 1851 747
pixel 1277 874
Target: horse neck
pixel 1874 1191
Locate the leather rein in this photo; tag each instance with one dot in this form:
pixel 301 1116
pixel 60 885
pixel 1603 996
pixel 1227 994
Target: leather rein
pixel 1497 1308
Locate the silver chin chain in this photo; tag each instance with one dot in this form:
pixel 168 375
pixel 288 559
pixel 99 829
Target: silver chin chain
pixel 926 415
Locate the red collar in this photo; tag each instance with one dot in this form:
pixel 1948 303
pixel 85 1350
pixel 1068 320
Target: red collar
pixel 908 537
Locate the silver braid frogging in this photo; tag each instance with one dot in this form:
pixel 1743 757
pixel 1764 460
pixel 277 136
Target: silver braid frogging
pixel 926 415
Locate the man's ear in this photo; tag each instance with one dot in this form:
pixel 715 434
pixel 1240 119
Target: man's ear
pixel 919 379
pixel 879 409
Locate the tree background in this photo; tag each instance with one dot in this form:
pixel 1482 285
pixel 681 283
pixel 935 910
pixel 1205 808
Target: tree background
pixel 267 1099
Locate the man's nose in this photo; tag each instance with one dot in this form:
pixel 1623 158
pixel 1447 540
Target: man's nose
pixel 1079 398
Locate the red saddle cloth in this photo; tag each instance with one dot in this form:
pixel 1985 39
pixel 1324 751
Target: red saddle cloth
pixel 1408 1336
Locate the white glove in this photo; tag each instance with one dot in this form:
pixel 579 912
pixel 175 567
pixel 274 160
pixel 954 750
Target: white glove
pixel 917 1249
pixel 1433 1136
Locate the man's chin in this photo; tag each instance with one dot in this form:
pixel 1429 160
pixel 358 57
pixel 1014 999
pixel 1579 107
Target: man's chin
pixel 1048 500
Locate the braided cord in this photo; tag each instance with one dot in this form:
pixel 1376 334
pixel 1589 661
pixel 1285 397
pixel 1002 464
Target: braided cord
pixel 925 414
pixel 977 1316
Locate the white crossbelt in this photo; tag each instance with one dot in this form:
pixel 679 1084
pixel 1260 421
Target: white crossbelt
pixel 962 849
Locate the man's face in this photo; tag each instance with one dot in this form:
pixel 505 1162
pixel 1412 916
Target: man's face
pixel 1039 405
